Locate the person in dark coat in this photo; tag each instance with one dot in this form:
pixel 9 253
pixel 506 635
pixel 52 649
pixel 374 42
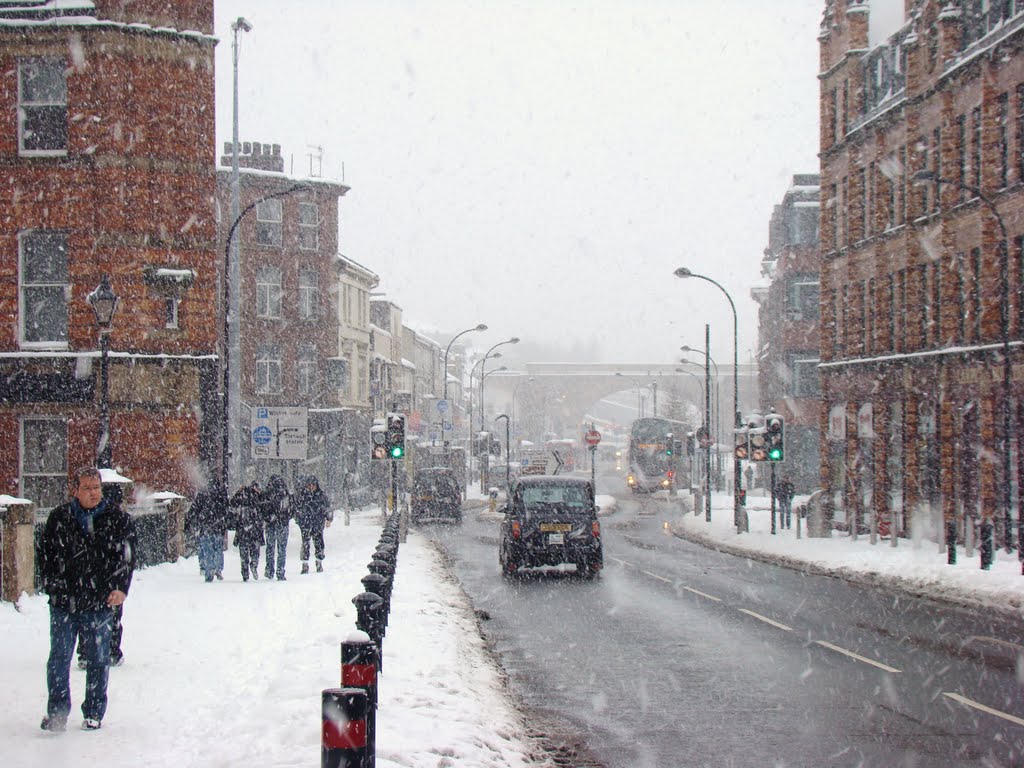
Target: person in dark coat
pixel 208 516
pixel 312 513
pixel 248 523
pixel 274 506
pixel 114 495
pixel 784 493
pixel 86 558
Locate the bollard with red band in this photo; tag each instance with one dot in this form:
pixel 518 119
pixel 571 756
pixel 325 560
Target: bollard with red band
pixel 359 670
pixel 343 728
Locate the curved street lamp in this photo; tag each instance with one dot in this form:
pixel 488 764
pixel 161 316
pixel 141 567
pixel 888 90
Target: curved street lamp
pixel 480 327
pixel 232 326
pixel 737 469
pixel 104 303
pixel 513 340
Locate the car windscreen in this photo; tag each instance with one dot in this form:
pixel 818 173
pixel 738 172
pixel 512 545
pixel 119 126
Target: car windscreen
pixel 434 485
pixel 563 498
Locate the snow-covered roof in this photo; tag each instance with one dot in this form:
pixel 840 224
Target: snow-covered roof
pixel 80 13
pixel 181 275
pixel 408 364
pixel 6 501
pixel 381 331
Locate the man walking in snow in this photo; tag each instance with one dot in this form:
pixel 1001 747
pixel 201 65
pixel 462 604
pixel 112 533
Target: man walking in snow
pixel 248 524
pixel 85 561
pixel 208 517
pixel 274 507
pixel 312 513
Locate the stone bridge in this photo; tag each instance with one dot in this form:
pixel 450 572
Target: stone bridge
pixel 555 398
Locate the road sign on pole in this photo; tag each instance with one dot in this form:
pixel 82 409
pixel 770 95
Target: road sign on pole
pixel 279 433
pixel 593 437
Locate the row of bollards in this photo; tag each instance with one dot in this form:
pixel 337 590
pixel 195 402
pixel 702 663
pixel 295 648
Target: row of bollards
pixel 349 713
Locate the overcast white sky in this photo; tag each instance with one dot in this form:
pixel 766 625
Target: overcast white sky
pixel 544 166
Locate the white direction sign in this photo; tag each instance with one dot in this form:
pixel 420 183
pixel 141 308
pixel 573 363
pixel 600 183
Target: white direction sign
pixel 279 433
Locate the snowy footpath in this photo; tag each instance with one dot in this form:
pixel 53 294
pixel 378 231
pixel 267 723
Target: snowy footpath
pixel 230 673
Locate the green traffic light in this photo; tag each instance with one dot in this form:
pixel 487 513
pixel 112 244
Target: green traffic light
pixel 775 454
pixel 396 452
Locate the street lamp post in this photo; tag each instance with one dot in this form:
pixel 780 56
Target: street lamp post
pixel 717 402
pixel 738 517
pixel 232 322
pixel 639 393
pixel 483 375
pixel 987 548
pixel 104 303
pixel 480 327
pixel 513 340
pixel 508 442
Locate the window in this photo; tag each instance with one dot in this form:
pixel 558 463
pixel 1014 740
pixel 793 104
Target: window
pixel 961 288
pixel 976 148
pixel 309 294
pixel 42 106
pixel 936 302
pixel 309 226
pixel 869 205
pixel 1020 132
pixel 44 288
pixel 307 383
pixel 337 376
pixel 894 457
pixel 863 203
pixel 44 461
pixel 268 370
pixel 844 224
pixel 803 300
pixel 171 312
pixel 268 292
pixel 974 295
pixel 806 381
pixel 923 190
pixel 833 204
pixel 268 223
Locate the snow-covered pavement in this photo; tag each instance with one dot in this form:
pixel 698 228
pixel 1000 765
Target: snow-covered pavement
pixel 230 673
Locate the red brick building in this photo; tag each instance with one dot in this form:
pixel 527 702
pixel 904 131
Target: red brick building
pixel 921 283
pixel 290 344
pixel 788 329
pixel 107 148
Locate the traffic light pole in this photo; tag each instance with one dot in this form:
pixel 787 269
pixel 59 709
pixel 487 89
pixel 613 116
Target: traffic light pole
pixel 773 498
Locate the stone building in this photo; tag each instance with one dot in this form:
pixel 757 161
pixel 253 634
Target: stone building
pixel 107 144
pixel 290 339
pixel 788 329
pixel 922 271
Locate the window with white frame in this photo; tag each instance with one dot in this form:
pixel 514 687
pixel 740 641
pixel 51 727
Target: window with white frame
pixel 806 379
pixel 44 461
pixel 338 376
pixel 268 369
pixel 307 382
pixel 42 106
pixel 171 312
pixel 269 215
pixel 43 278
pixel 309 226
pixel 268 292
pixel 309 294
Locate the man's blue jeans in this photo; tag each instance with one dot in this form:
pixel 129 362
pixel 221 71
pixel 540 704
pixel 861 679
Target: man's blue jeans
pixel 211 553
pixel 277 539
pixel 64 630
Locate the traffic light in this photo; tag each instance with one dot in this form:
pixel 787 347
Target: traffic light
pixel 758 444
pixel 775 427
pixel 670 444
pixel 377 439
pixel 394 442
pixel 742 449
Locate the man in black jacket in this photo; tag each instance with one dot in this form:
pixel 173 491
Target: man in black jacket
pixel 86 556
pixel 312 513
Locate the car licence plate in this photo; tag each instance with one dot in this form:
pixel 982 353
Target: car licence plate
pixel 555 527
pixel 556 538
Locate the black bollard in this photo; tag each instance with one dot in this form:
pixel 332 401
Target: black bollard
pixel 378 585
pixel 359 670
pixel 343 728
pixel 369 609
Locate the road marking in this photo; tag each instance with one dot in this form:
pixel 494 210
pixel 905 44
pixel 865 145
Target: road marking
pixel 971 703
pixel 857 656
pixel 656 576
pixel 765 619
pixel 703 594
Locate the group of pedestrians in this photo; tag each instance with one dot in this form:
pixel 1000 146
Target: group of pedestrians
pixel 259 516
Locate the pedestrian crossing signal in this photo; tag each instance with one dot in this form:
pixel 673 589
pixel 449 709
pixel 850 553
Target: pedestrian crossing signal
pixel 742 449
pixel 775 428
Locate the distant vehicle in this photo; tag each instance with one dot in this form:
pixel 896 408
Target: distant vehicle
pixel 436 495
pixel 652 462
pixel 549 521
pixel 568 451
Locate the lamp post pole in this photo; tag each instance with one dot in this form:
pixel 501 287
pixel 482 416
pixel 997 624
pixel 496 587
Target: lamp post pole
pixel 738 516
pixel 104 303
pixel 232 392
pixel 480 327
pixel 486 452
pixel 508 442
pixel 987 547
pixel 513 340
pixel 717 402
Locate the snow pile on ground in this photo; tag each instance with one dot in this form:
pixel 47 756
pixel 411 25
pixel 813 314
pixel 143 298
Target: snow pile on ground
pixel 230 673
pixel 915 566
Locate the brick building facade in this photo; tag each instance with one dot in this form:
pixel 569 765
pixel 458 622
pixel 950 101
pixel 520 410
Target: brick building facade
pixel 290 344
pixel 788 329
pixel 922 185
pixel 107 148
